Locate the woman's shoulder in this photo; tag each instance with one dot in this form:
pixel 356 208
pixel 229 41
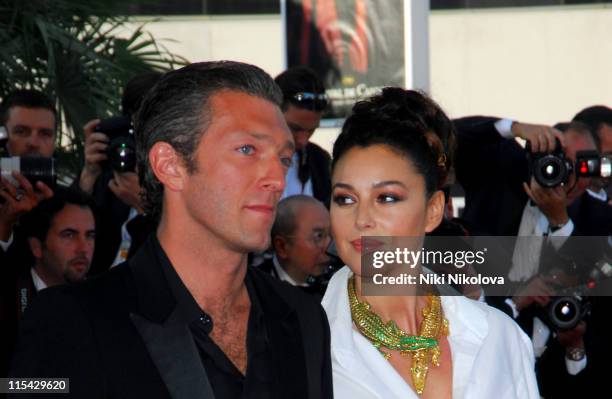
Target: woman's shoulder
pixel 489 321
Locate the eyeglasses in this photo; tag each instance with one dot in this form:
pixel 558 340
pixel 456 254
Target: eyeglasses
pixel 318 238
pixel 312 101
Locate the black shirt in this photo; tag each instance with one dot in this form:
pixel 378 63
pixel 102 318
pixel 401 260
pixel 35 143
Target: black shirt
pixel 226 380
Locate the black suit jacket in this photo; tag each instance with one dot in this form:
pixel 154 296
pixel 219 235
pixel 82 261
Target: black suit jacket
pixel 491 170
pixel 115 337
pixel 319 164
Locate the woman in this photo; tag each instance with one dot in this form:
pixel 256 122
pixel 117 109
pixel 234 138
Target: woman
pixel 389 164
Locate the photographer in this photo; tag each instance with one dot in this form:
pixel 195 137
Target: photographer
pixel 29 121
pixel 115 188
pixel 503 199
pixel 599 119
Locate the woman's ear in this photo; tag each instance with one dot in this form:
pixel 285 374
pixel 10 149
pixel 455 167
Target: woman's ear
pixel 435 211
pixel 167 166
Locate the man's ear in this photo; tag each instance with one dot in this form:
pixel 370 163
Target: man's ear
pixel 167 166
pixel 279 244
pixel 435 211
pixel 35 247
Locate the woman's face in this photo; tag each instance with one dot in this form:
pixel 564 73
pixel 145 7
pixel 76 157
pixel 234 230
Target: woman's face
pixel 376 192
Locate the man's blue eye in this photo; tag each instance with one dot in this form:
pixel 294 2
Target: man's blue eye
pixel 287 162
pixel 246 149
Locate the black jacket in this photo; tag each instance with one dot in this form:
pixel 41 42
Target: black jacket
pixel 114 337
pixel 319 164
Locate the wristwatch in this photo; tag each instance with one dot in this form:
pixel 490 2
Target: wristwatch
pixel 575 354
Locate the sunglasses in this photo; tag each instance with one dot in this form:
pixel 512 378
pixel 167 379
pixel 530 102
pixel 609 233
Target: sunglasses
pixel 313 101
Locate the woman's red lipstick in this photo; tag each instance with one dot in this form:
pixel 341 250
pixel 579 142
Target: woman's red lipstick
pixel 365 245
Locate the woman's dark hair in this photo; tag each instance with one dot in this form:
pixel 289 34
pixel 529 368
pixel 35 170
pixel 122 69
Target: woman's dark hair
pixel 407 122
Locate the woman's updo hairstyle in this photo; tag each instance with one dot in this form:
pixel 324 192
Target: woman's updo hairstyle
pixel 410 124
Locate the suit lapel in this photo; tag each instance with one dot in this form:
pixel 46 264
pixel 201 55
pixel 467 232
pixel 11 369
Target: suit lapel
pixel 175 355
pixel 167 338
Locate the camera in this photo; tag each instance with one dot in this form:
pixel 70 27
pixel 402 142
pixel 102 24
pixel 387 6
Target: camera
pixel 573 304
pixel 32 168
pixel 549 170
pixel 553 169
pixel 565 312
pixel 121 151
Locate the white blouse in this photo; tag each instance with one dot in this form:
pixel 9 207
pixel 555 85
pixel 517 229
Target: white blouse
pixel 491 356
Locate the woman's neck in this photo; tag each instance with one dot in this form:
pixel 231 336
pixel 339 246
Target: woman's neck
pixel 405 311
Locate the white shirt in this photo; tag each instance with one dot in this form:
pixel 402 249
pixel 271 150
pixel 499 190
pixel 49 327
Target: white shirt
pixel 283 275
pixel 6 244
pixel 293 184
pixel 491 356
pixel 39 284
pixel 601 195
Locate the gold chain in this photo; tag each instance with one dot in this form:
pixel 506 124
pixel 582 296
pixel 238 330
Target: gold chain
pixel 424 348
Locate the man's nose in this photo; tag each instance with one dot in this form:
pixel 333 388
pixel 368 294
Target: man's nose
pixel 274 179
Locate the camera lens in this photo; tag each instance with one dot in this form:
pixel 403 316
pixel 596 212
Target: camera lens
pixel 122 154
pixel 550 171
pixel 565 312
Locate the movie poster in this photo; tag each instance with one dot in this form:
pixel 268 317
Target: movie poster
pixel 355 46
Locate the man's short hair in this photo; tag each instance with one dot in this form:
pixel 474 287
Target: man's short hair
pixel 27 99
pixel 582 129
pixel 176 111
pixel 295 80
pixel 285 222
pixel 594 117
pixel 37 222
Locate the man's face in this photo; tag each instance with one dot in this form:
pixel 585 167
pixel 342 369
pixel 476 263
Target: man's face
pixel 241 160
pixel 575 142
pixel 66 254
pixel 31 132
pixel 302 123
pixel 305 250
pixel 605 135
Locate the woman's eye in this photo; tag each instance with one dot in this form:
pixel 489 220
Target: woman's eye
pixel 246 149
pixel 343 200
pixel 387 198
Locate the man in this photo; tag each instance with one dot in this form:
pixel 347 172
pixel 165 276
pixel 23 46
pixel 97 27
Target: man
pixel 300 237
pixel 184 318
pixel 123 225
pixel 304 100
pixel 29 119
pixel 599 119
pixel 60 233
pixel 492 168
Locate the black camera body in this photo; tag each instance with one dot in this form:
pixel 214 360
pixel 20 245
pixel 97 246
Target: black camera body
pixel 32 168
pixel 121 151
pixel 565 312
pixel 549 169
pixel 553 169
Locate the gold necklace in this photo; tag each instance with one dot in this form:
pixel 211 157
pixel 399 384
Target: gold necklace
pixel 424 348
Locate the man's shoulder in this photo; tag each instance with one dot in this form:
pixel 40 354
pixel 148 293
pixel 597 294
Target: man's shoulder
pixel 293 296
pixel 316 150
pixel 107 290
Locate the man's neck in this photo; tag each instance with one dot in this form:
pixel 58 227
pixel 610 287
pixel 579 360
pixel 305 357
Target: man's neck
pixel 213 273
